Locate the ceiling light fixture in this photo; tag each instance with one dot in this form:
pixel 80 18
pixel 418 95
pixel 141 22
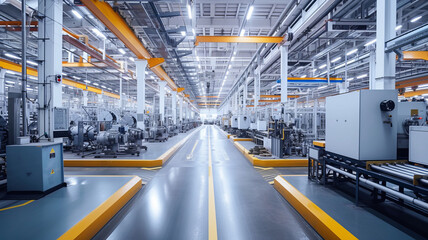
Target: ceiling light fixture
pixel 415 19
pixel 122 51
pixel 398 27
pixel 76 14
pixel 370 43
pixel 336 59
pixel 242 33
pixel 250 12
pixel 352 52
pixel 362 76
pixel 12 56
pixel 189 11
pixel 98 33
pixel 183 33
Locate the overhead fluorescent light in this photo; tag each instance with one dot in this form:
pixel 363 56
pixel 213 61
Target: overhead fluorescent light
pixel 197 58
pixel 229 67
pixel 350 79
pixel 234 52
pixel 122 51
pixel 189 11
pixel 362 76
pixel 132 59
pixel 398 27
pixel 250 12
pixel 415 19
pixel 183 33
pixel 193 31
pixel 32 63
pixel 242 33
pixel 78 78
pixel 65 74
pixel 232 59
pixel 10 82
pixel 76 14
pixel 323 66
pixel 12 56
pixel 314 70
pixel 199 66
pixel 352 52
pixel 303 76
pixel 95 84
pixel 87 81
pixel 103 86
pixel 336 59
pixel 370 43
pixel 98 33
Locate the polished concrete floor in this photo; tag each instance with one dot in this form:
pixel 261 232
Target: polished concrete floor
pixel 175 202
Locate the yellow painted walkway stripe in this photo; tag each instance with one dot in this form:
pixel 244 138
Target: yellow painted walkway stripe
pixel 95 220
pixel 212 220
pixel 151 168
pixel 194 146
pixel 16 206
pixel 325 225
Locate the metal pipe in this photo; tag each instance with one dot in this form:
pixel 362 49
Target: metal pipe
pixel 24 67
pixel 412 166
pixel 413 171
pixel 407 171
pixel 383 188
pixel 391 172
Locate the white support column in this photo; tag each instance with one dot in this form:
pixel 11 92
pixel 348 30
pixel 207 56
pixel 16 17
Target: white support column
pixel 174 107
pixel 385 30
pixel 372 69
pixel 120 93
pixel 257 83
pixel 162 95
pixel 245 97
pixel 181 109
pixel 50 52
pixel 2 93
pixel 100 101
pixel 284 73
pixel 85 98
pixel 140 65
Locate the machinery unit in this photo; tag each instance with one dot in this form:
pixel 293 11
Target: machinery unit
pixel 418 150
pixel 234 122
pixel 362 125
pixel 34 167
pixel 261 125
pixel 409 114
pixel 243 122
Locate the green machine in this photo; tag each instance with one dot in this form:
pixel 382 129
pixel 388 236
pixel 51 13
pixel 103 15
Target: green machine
pixel 34 167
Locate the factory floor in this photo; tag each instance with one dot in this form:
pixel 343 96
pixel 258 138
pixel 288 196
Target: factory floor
pixel 206 189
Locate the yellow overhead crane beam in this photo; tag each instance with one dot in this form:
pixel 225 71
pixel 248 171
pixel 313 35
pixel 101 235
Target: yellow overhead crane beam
pixel 415 55
pixel 8 65
pixel 118 26
pixel 238 39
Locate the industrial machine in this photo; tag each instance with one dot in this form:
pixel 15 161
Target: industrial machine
pixel 286 140
pixel 361 148
pixel 409 114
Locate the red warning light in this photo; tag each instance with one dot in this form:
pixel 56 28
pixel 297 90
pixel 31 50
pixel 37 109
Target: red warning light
pixel 58 78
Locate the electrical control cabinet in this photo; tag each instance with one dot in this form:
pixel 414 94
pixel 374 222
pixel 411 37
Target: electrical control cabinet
pixel 409 114
pixel 362 125
pixel 234 122
pixel 243 122
pixel 418 147
pixel 35 167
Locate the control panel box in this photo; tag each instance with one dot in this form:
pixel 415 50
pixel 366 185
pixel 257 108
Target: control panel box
pixel 418 147
pixel 35 167
pixel 362 125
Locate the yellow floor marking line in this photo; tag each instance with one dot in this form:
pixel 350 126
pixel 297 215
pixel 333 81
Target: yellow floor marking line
pixel 151 168
pixel 263 168
pixel 16 206
pixel 189 156
pixel 95 220
pixel 212 220
pixel 325 225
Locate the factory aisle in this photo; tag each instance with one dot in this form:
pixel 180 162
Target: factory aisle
pixel 185 201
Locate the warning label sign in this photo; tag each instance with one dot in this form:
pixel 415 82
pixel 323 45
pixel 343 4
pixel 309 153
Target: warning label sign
pixel 52 154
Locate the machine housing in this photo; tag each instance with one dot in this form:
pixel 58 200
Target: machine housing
pixel 357 128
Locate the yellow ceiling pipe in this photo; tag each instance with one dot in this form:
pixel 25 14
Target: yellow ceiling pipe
pixel 8 65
